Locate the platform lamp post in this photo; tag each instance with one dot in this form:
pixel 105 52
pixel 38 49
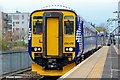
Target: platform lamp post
pixel 109 21
pixel 119 26
pixel 118 16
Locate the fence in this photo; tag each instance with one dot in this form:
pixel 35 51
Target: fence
pixel 11 61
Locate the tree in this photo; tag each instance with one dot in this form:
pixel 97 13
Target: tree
pixel 3 45
pixel 0 43
pixel 102 27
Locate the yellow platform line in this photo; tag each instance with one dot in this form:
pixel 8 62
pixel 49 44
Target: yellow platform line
pixel 98 68
pixel 83 69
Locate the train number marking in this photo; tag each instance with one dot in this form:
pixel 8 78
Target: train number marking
pixel 68 43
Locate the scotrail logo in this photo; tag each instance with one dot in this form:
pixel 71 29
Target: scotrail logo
pixel 78 34
pixel 29 34
pixel 79 39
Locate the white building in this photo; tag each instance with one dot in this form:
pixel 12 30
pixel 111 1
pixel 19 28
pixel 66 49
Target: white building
pixel 19 23
pixel 3 21
pixel 4 28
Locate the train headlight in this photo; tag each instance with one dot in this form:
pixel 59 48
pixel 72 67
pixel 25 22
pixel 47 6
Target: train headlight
pixel 39 49
pixel 70 49
pixel 35 49
pixel 66 49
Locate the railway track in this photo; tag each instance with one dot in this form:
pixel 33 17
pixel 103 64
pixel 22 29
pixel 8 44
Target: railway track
pixel 25 74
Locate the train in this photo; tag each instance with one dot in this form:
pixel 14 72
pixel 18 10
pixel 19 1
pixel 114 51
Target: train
pixel 59 39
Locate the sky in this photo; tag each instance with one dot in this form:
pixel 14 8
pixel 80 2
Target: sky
pixel 95 11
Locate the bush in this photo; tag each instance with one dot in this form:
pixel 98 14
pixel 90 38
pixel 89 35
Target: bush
pixel 3 45
pixel 20 43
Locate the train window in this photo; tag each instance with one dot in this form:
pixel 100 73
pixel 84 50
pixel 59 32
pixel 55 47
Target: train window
pixel 37 27
pixel 69 27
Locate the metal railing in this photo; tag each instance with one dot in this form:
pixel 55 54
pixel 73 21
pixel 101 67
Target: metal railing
pixel 11 61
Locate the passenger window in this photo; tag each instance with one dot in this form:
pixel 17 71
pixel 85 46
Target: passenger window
pixel 37 27
pixel 69 27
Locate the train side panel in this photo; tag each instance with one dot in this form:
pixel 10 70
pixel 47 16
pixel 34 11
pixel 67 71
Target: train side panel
pixel 90 39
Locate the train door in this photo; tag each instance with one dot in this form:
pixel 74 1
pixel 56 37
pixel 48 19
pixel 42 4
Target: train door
pixel 52 34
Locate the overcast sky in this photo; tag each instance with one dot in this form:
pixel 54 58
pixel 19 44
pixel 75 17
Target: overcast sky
pixel 96 11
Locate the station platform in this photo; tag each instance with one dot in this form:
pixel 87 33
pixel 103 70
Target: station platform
pixel 102 64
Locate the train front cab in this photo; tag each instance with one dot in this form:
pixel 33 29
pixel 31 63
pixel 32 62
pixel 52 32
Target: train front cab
pixel 53 42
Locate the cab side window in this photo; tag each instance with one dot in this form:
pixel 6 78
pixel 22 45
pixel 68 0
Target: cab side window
pixel 69 27
pixel 37 27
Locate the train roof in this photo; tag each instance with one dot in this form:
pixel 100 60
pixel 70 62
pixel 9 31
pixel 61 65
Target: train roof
pixel 55 10
pixel 88 24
